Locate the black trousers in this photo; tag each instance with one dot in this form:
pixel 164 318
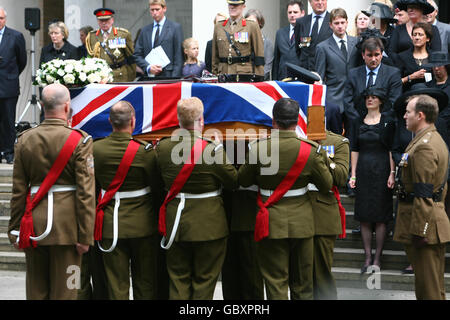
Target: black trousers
pixel 7 120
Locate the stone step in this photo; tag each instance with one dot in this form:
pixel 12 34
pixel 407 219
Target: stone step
pixel 388 280
pixel 4 221
pixel 12 261
pixel 390 259
pixel 5 246
pixel 5 187
pixel 5 208
pixel 5 196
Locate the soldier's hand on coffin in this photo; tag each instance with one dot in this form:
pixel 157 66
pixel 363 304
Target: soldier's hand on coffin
pixel 419 242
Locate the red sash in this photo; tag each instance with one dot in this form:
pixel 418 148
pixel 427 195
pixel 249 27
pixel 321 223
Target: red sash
pixel 341 211
pixel 262 218
pixel 26 224
pixel 179 182
pixel 115 184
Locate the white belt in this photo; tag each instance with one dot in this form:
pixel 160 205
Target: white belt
pixel 54 188
pixel 290 193
pixel 180 208
pixel 312 187
pixel 117 197
pixel 251 188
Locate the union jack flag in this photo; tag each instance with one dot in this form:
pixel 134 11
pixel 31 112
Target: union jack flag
pixel 155 104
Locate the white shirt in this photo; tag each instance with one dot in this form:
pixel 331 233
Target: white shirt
pixel 374 71
pixel 161 24
pixel 291 31
pixel 313 19
pixel 1 34
pixel 338 41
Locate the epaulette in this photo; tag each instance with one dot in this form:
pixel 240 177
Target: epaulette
pixel 147 145
pixel 427 137
pixel 345 140
pixel 123 29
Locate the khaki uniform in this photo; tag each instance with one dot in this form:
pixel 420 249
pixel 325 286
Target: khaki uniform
pixel 425 167
pixel 196 256
pixel 291 220
pixel 246 36
pixel 241 277
pixel 74 211
pixel 120 47
pixel 327 220
pixel 137 220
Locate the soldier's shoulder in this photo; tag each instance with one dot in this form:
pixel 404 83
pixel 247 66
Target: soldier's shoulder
pixel 310 142
pixel 122 30
pixel 147 145
pixel 86 136
pixel 336 138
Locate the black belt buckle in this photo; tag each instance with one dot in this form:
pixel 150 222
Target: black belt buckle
pixel 230 60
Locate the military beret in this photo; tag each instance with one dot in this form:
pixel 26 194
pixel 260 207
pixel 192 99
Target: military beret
pixel 104 13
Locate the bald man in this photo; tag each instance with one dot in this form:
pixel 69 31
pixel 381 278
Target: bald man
pixel 136 243
pixel 53 266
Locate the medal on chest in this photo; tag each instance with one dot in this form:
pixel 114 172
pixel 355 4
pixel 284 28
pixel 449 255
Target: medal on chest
pixel 404 161
pixel 329 150
pixel 241 37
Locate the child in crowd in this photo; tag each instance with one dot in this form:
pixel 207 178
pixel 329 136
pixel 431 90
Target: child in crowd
pixel 192 66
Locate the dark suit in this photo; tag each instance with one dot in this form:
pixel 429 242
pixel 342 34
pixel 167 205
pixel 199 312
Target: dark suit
pixel 284 52
pixel 170 38
pixel 12 63
pixel 444 32
pixel 408 65
pixel 333 67
pixel 387 78
pixel 302 29
pixel 208 56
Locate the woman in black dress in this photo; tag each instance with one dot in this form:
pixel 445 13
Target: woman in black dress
pixel 373 172
pixel 412 62
pixel 401 36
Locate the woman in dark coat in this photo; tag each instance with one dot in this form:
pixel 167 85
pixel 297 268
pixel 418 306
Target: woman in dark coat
pixel 401 36
pixel 60 47
pixel 412 62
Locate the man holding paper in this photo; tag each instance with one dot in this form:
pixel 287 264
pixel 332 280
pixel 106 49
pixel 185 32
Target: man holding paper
pixel 158 49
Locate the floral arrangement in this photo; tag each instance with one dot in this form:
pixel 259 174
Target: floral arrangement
pixel 74 72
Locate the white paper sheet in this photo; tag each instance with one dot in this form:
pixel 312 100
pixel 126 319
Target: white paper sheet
pixel 158 57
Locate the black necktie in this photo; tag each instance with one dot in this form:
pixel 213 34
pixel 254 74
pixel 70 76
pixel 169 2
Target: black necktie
pixel 315 29
pixel 343 49
pixel 156 35
pixel 370 82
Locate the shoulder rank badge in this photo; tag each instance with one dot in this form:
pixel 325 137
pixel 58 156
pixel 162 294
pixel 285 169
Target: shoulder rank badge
pixel 329 150
pixel 404 161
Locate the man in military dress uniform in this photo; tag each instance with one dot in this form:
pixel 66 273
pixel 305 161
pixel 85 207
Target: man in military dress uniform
pixel 193 218
pixel 327 216
pixel 136 242
pixel 53 265
pixel 285 222
pixel 238 47
pixel 112 44
pixel 422 224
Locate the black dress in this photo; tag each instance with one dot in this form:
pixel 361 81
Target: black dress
pixel 373 199
pixel 408 65
pixel 68 51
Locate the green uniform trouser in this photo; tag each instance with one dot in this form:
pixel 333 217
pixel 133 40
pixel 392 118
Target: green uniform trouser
pixel 241 277
pixel 92 267
pixel 287 263
pixel 194 268
pixel 429 267
pixel 142 254
pixel 324 283
pixel 53 272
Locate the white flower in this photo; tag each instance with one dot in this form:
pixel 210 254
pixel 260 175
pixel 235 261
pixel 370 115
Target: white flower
pixel 69 68
pixel 82 76
pixel 61 72
pixel 69 79
pixel 94 78
pixel 57 63
pixel 49 79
